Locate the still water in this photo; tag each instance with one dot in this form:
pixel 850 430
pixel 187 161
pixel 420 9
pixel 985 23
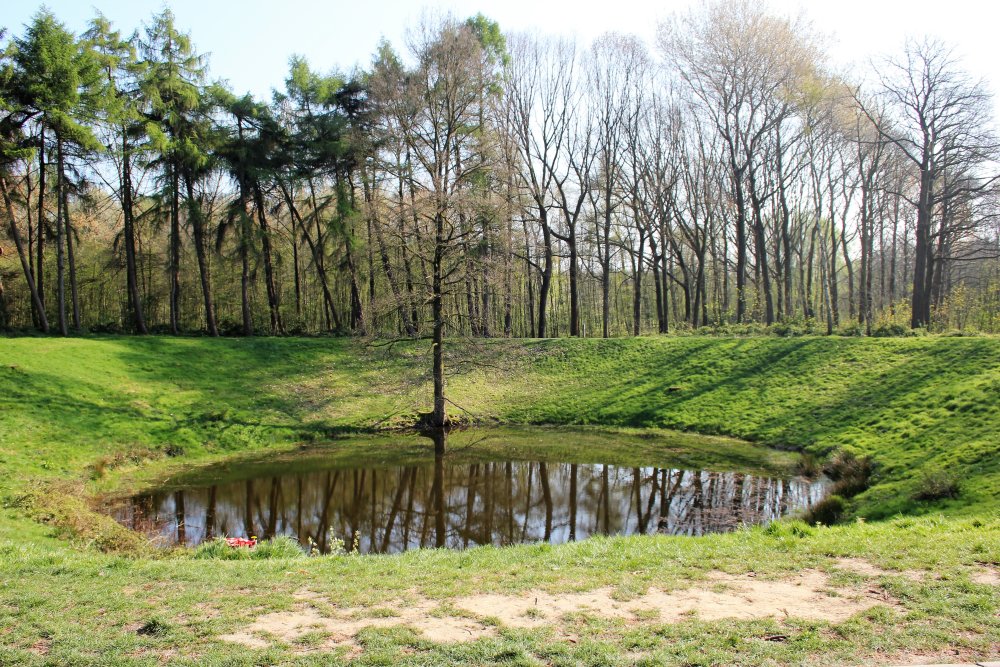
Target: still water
pixel 447 503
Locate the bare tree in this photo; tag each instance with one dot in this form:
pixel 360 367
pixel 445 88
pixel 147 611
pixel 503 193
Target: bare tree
pixel 943 128
pixel 742 65
pixel 540 109
pixel 450 143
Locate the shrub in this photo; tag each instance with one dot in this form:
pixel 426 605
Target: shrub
pixel 105 328
pixel 893 331
pixel 851 475
pixel 854 329
pixel 827 511
pixel 296 327
pixel 279 547
pixel 64 507
pixel 173 450
pixel 101 466
pixel 794 327
pixel 793 528
pixel 808 466
pixel 937 484
pixel 228 327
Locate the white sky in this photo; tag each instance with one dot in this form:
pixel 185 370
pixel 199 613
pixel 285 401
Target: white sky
pixel 250 41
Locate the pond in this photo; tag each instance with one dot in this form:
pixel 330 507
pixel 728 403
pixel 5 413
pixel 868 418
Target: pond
pixel 387 494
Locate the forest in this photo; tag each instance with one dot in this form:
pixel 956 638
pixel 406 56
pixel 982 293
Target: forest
pixel 486 184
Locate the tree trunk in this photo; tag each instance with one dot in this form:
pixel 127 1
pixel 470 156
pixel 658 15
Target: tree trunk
pixel 849 266
pixel 543 291
pixel 786 244
pixel 277 326
pixel 71 256
pixel 198 227
pixel 741 243
pixel 761 247
pixel 60 242
pixel 175 250
pixel 605 261
pixel 439 417
pixel 574 287
pixel 401 306
pixel 655 261
pixel 920 304
pixel 329 305
pixel 295 267
pixel 40 246
pixel 832 271
pixel 15 235
pixel 637 292
pixel 128 212
pixel 245 269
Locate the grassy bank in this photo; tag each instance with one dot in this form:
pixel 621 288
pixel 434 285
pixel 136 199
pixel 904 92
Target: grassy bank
pixel 97 414
pixel 917 406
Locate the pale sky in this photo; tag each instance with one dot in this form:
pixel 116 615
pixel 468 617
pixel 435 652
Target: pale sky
pixel 250 41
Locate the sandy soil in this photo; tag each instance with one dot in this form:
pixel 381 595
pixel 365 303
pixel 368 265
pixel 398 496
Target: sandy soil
pixel 807 594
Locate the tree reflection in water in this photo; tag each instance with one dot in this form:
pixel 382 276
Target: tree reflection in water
pixel 458 505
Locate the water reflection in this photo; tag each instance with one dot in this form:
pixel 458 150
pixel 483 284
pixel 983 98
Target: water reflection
pixel 458 505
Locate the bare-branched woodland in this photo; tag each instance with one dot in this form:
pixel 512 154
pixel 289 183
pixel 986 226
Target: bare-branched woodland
pixel 490 184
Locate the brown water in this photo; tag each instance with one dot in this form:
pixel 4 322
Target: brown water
pixel 445 503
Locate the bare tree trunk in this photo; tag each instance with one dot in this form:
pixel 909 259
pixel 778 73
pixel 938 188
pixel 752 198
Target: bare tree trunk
pixel 760 243
pixel 574 288
pixel 439 418
pixel 605 261
pixel 920 304
pixel 741 243
pixel 637 286
pixel 786 241
pixel 543 290
pixel 508 280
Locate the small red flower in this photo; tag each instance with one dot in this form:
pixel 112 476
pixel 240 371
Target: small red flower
pixel 237 542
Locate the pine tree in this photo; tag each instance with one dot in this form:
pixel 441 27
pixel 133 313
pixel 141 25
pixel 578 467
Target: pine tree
pixel 55 80
pixel 172 83
pixel 120 109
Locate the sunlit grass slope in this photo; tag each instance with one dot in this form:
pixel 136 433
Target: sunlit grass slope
pixel 90 414
pixel 918 406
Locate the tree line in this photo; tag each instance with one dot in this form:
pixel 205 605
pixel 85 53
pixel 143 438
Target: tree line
pixel 490 184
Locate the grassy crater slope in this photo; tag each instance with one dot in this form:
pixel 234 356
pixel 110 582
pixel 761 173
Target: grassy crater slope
pixel 126 410
pixel 918 406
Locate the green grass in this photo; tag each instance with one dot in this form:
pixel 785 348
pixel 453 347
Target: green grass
pixel 102 414
pixel 87 608
pixel 912 404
